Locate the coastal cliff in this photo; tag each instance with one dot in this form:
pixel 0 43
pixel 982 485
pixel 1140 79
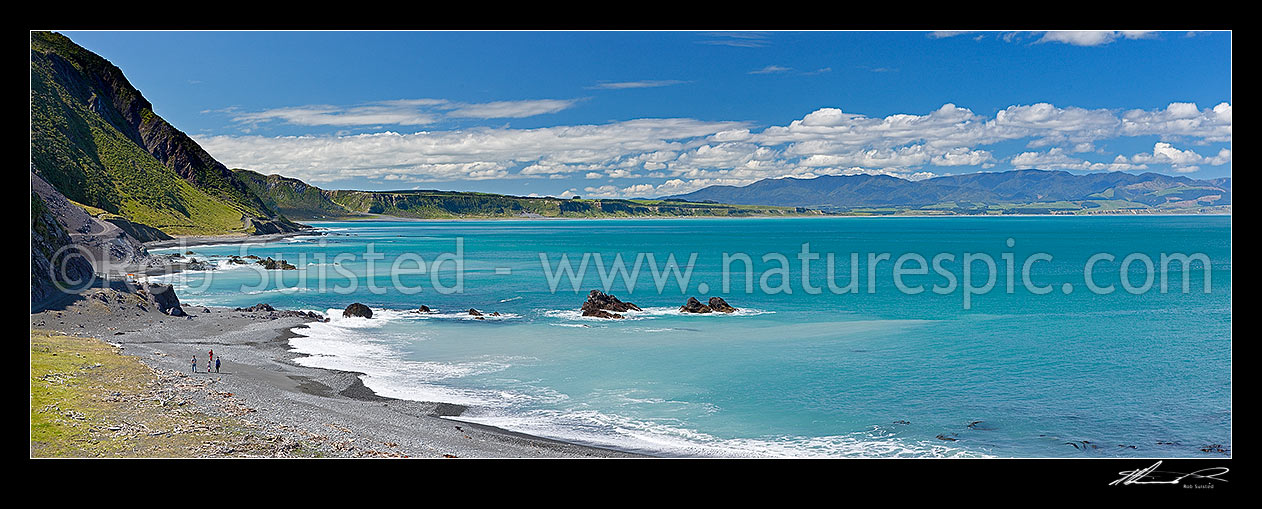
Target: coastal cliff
pixel 97 140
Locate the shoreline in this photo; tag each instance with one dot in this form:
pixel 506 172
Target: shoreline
pixel 203 240
pixel 331 411
pixel 786 216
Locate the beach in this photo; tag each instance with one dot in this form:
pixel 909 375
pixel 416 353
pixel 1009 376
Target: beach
pixel 329 412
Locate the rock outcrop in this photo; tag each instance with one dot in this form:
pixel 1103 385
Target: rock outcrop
pixel 694 306
pixel 275 313
pixel 424 309
pixel 474 312
pixel 163 297
pixel 603 305
pixel 600 313
pixel 260 307
pixel 358 310
pixel 716 305
pixel 721 306
pixel 271 264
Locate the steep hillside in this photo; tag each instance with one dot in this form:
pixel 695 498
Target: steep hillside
pixel 53 265
pixel 291 197
pixel 97 140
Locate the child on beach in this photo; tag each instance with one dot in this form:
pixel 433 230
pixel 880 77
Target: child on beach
pixel 194 363
pixel 208 365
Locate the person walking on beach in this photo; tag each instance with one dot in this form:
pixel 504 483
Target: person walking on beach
pixel 216 365
pixel 194 363
pixel 212 355
pixel 208 365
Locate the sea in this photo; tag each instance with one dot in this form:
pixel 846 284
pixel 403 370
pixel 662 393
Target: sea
pixel 854 337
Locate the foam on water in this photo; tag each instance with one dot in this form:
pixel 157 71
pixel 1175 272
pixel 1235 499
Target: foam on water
pixel 343 344
pixel 611 431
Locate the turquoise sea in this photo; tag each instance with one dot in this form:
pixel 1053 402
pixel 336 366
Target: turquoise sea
pixel 878 372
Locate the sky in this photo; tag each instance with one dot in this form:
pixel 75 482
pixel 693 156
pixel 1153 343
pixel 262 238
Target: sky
pixel 650 113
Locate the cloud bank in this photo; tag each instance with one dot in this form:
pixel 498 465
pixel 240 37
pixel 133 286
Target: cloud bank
pixel 656 157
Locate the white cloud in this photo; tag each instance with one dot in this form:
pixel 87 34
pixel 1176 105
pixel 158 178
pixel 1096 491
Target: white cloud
pixel 400 112
pixel 317 115
pixel 620 85
pixel 771 69
pixel 1181 119
pixel 962 156
pixel 511 109
pixel 1074 37
pixel 690 154
pixel 940 34
pixel 1092 37
pixel 541 151
pixel 1181 160
pixel 1057 159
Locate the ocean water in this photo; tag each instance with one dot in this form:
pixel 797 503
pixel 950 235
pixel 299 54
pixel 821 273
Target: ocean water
pixel 877 372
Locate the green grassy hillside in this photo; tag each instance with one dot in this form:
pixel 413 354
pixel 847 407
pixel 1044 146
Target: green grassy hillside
pixel 98 141
pixel 449 205
pixel 291 197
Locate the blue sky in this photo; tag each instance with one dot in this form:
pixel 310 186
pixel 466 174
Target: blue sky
pixel 646 114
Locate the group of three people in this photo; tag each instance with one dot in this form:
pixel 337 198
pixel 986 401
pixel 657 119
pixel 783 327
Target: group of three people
pixel 209 362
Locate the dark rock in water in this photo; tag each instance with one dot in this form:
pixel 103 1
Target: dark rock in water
pixel 600 305
pixel 949 439
pixel 424 309
pixel 720 305
pixel 600 313
pixel 195 264
pixel 260 307
pixel 162 296
pixel 252 257
pixel 237 260
pixel 474 312
pixel 694 306
pixel 357 309
pixel 271 264
pixel 300 314
pixel 497 313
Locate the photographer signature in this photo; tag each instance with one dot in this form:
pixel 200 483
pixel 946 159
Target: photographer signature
pixel 1151 475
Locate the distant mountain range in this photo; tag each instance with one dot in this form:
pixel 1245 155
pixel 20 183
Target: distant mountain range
pixel 1029 191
